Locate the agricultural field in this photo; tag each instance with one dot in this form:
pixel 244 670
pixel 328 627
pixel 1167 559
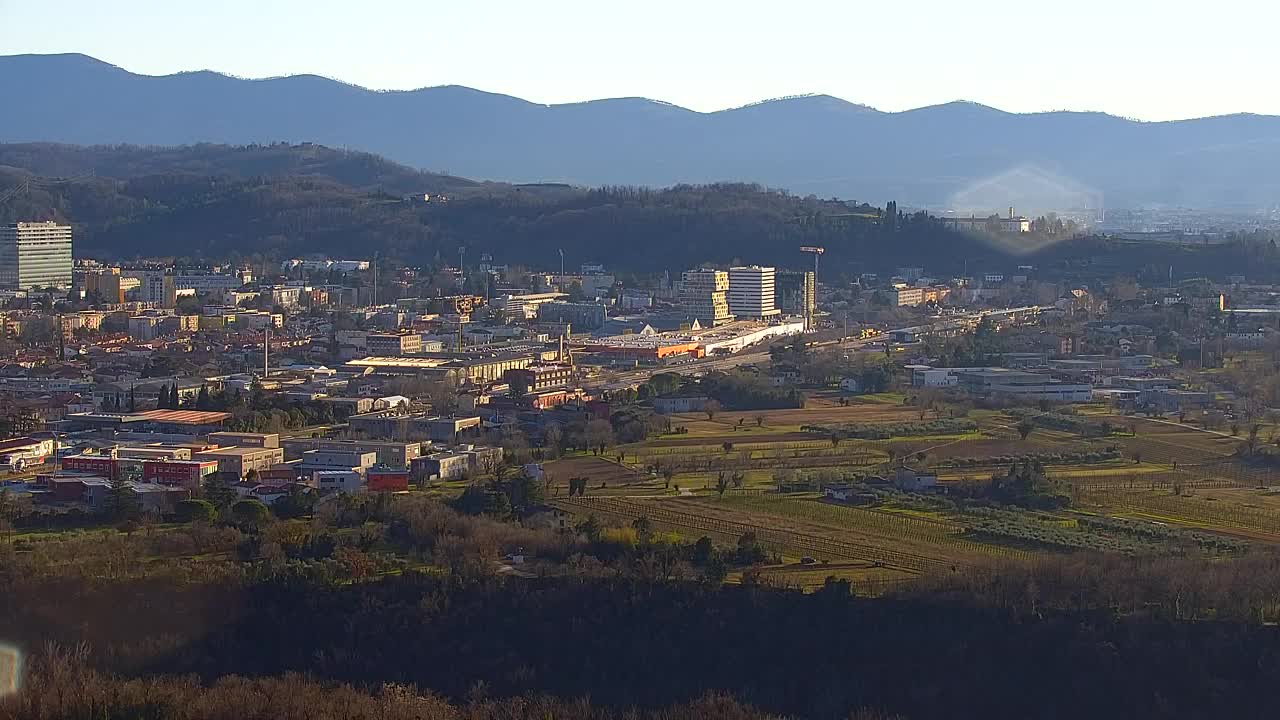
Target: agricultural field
pixel 1124 489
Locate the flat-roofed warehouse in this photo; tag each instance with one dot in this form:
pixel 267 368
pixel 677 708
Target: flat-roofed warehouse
pixel 183 422
pixel 466 367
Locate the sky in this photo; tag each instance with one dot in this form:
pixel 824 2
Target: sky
pixel 1144 59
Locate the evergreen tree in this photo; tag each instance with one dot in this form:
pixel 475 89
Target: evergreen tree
pixel 133 399
pixel 202 399
pixel 122 504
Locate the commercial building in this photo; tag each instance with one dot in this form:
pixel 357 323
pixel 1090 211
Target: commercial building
pixel 385 479
pixel 524 307
pixel 35 255
pixel 584 316
pixel 245 439
pixel 240 460
pixel 317 460
pixel 387 424
pixel 341 481
pixel 388 452
pixel 189 474
pixel 751 292
pixel 704 296
pixel 1022 384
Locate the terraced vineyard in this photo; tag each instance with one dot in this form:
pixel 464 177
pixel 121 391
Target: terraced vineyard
pixel 1192 511
pixel 846 547
pixel 875 522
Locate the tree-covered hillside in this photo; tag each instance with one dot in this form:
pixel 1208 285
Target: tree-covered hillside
pixel 220 202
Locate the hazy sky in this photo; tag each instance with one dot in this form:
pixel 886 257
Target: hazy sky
pixel 1148 59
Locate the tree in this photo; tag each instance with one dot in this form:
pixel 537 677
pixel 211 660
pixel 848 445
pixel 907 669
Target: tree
pixel 722 482
pixel 711 407
pixel 203 400
pixel 189 511
pixel 727 447
pixel 1024 428
pixel 553 439
pixel 133 399
pixel 667 470
pixel 598 435
pixel 218 491
pixel 643 528
pixel 122 502
pixel 250 515
pixel 759 421
pixel 590 528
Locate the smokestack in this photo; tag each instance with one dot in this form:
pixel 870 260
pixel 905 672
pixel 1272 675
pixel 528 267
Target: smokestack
pixel 266 349
pixel 1010 212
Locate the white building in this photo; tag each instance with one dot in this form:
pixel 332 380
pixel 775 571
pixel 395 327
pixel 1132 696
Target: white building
pixel 35 255
pixel 751 292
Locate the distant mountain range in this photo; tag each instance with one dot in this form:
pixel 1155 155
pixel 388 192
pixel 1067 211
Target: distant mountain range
pixel 959 155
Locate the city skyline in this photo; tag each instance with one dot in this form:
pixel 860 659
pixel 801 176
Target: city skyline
pixel 574 52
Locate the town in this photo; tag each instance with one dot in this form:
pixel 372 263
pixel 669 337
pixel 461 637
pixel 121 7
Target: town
pixel 745 395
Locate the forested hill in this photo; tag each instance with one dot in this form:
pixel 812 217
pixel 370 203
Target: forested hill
pixel 359 170
pixel 948 154
pixel 275 201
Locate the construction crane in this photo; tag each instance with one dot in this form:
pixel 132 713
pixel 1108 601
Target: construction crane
pixel 811 308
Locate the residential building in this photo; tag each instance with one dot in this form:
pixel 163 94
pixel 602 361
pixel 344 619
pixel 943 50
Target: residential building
pixel 102 284
pixel 670 405
pixel 393 344
pixel 540 376
pixel 155 286
pixel 704 296
pixel 906 297
pixel 751 292
pixel 35 255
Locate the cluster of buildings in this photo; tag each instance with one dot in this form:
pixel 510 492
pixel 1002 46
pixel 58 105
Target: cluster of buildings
pixel 751 292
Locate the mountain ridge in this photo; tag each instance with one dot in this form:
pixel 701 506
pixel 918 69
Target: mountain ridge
pixel 828 146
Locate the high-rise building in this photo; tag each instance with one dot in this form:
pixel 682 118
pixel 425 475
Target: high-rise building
pixel 704 296
pixel 35 255
pixel 796 293
pixel 751 292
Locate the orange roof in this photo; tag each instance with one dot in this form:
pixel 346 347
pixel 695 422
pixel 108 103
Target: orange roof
pixel 183 417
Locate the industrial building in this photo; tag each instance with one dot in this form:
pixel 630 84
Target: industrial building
pixel 580 316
